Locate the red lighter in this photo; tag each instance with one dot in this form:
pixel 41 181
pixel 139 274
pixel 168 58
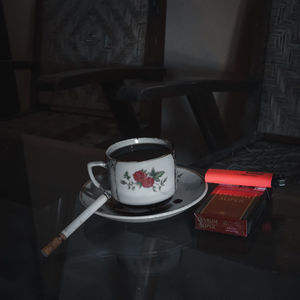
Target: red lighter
pixel 245 178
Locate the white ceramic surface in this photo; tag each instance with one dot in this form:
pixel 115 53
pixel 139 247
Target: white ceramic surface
pixel 139 182
pixel 191 189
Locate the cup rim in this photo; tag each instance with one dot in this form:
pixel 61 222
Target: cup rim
pixel 139 140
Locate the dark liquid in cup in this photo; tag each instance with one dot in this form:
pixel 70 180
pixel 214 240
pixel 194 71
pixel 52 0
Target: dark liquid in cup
pixel 140 152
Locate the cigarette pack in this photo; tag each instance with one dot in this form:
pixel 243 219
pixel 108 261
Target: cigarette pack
pixel 231 209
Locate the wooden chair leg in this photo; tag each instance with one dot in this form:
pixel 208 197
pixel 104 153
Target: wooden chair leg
pixel 123 111
pixel 150 113
pixel 209 120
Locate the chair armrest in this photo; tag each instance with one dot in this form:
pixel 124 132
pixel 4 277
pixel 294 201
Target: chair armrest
pixel 164 89
pixel 200 95
pixel 66 80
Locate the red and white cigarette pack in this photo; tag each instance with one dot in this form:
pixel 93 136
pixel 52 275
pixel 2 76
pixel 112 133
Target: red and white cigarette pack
pixel 235 204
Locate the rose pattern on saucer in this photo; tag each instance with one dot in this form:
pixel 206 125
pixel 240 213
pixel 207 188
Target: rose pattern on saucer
pixel 144 179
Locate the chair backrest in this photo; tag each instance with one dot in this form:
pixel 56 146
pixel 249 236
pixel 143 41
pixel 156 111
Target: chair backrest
pixel 280 100
pixel 275 107
pixel 75 34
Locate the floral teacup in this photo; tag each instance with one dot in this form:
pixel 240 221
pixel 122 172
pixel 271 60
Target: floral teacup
pixel 144 180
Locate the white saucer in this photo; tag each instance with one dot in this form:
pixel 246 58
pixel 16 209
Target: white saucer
pixel 191 189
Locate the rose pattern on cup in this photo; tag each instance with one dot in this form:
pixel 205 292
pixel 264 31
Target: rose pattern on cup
pixel 144 179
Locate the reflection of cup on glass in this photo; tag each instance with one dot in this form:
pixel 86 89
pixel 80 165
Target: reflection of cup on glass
pixel 141 171
pixel 160 257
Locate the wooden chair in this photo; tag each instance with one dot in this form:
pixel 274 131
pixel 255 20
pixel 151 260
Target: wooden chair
pixel 200 92
pixel 83 52
pixel 271 53
pixel 270 124
pixel 62 70
pixel 79 62
pixel 276 147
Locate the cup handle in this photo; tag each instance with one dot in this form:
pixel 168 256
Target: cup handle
pixel 90 166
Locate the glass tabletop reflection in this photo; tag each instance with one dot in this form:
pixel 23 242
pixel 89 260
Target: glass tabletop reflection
pixel 106 259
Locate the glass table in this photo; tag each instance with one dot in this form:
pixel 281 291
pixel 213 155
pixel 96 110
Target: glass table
pixel 105 259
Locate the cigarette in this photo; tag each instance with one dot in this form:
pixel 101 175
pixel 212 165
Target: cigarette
pixel 76 223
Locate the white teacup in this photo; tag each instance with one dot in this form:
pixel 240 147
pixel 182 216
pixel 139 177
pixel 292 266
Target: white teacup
pixel 141 171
